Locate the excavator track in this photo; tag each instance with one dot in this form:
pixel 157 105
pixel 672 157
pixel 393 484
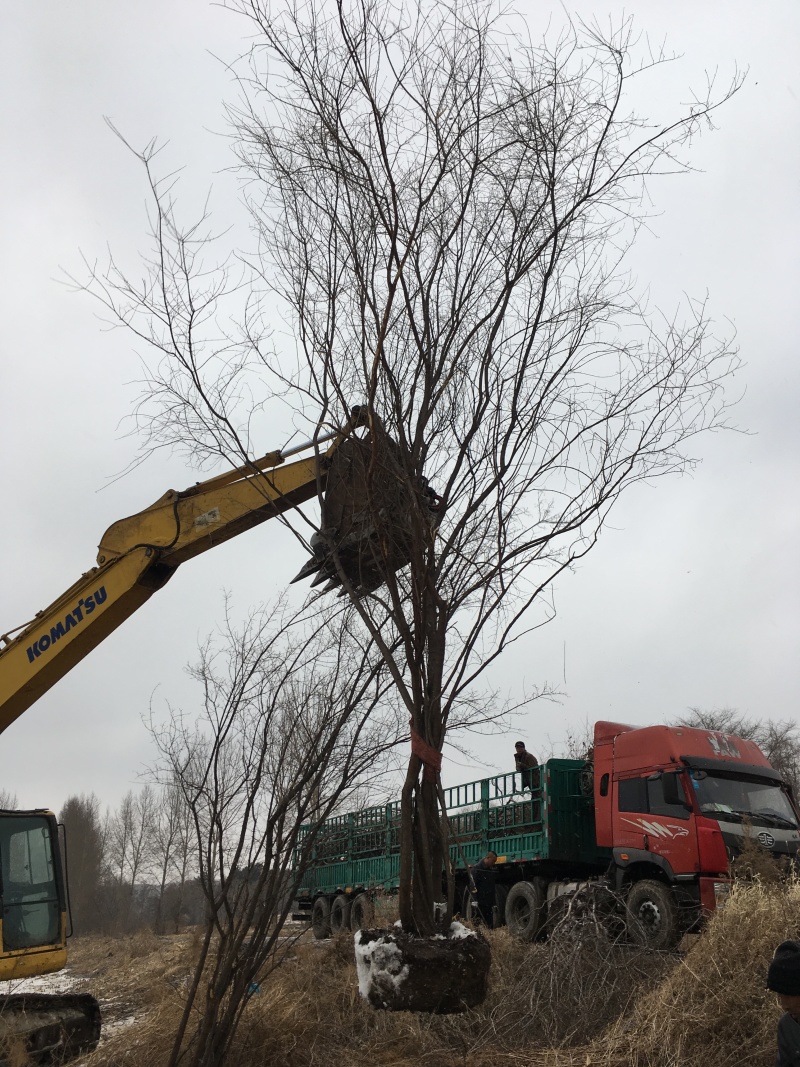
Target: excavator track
pixel 50 1029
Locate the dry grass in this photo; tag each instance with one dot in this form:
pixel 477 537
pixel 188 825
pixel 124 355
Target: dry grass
pixel 139 981
pixel 574 1001
pixel 713 1009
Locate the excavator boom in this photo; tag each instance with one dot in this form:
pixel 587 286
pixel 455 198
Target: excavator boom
pixel 137 556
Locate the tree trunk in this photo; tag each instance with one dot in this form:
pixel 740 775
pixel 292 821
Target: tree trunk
pixel 424 856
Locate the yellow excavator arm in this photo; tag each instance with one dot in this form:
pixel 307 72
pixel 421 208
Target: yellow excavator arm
pixel 138 555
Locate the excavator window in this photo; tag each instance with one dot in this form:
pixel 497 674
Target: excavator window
pixel 30 904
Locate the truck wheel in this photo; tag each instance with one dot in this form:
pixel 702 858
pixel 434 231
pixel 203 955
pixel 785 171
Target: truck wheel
pixel 525 908
pixel 340 913
pixel 469 907
pixel 652 915
pixel 362 912
pixel 321 918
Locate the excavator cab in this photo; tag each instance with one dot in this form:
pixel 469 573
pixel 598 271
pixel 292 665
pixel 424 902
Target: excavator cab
pixel 47 1028
pixel 33 916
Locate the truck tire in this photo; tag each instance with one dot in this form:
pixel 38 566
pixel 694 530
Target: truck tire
pixel 469 907
pixel 652 915
pixel 500 899
pixel 362 912
pixel 321 918
pixel 340 913
pixel 525 910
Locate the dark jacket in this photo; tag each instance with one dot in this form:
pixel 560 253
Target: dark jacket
pixel 524 759
pixel 788 1042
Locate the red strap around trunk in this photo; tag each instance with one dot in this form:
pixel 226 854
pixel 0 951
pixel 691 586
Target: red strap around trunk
pixel 431 759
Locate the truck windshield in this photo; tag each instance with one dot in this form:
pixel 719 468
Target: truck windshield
pixel 735 799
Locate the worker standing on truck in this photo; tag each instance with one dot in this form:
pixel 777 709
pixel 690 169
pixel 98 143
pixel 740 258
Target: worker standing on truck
pixel 483 876
pixel 527 764
pixel 783 978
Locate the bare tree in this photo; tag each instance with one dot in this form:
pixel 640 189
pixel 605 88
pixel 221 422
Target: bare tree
pixel 8 800
pixel 85 860
pixel 778 739
pixel 171 850
pixel 183 869
pixel 296 714
pixel 130 835
pixel 444 211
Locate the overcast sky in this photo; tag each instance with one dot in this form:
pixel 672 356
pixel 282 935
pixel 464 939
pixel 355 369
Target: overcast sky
pixel 690 598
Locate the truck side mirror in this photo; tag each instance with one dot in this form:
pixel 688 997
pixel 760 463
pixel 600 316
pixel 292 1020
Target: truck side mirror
pixel 673 792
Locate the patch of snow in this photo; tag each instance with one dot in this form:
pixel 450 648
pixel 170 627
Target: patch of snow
pixel 379 964
pixel 458 931
pixel 60 982
pixel 363 965
pixel 115 1025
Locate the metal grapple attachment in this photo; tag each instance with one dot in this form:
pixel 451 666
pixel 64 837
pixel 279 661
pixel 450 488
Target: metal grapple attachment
pixel 369 512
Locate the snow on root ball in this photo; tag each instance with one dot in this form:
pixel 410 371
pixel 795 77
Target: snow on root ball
pixel 380 966
pixel 399 972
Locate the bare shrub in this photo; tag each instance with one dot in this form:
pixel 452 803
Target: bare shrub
pixel 387 911
pixel 756 863
pixel 565 991
pixel 587 982
pixel 295 715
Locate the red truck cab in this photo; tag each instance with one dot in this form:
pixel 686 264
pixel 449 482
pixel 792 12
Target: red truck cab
pixel 675 804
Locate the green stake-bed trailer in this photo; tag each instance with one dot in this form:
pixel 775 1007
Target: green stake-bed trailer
pixel 546 833
pixel 642 838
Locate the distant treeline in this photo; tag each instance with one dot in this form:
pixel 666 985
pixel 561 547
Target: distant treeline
pixel 131 868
